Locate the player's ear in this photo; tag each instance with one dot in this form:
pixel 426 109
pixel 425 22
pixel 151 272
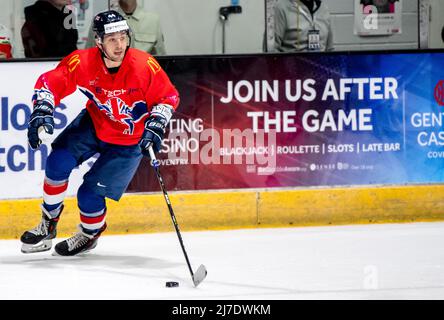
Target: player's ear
pixel 98 41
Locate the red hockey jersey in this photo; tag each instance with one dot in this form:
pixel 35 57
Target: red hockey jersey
pixel 118 103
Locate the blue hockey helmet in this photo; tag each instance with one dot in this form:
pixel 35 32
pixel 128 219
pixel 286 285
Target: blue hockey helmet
pixel 109 22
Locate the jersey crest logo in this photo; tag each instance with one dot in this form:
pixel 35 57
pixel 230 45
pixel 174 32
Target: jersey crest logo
pixel 117 110
pixel 122 113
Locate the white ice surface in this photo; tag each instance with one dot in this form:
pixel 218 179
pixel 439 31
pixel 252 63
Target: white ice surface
pixel 393 261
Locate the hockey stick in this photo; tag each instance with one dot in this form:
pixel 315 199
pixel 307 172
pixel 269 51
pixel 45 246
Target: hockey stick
pixel 201 272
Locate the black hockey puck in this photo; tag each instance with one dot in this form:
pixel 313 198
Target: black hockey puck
pixel 172 284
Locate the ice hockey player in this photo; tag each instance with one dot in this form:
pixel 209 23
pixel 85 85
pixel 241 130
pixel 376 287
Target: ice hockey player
pixel 130 102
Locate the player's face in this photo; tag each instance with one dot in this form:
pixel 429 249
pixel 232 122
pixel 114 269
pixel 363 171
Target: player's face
pixel 115 45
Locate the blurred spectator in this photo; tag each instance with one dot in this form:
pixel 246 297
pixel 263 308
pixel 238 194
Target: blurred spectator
pixel 49 29
pixel 5 43
pixel 302 25
pixel 145 26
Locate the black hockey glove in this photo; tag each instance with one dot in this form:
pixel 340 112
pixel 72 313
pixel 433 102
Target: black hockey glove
pixel 155 128
pixel 42 116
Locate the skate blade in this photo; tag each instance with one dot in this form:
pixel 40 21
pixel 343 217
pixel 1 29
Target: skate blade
pixel 80 254
pixel 42 246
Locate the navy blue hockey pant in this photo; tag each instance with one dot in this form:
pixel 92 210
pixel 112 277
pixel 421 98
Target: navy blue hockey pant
pixel 109 175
